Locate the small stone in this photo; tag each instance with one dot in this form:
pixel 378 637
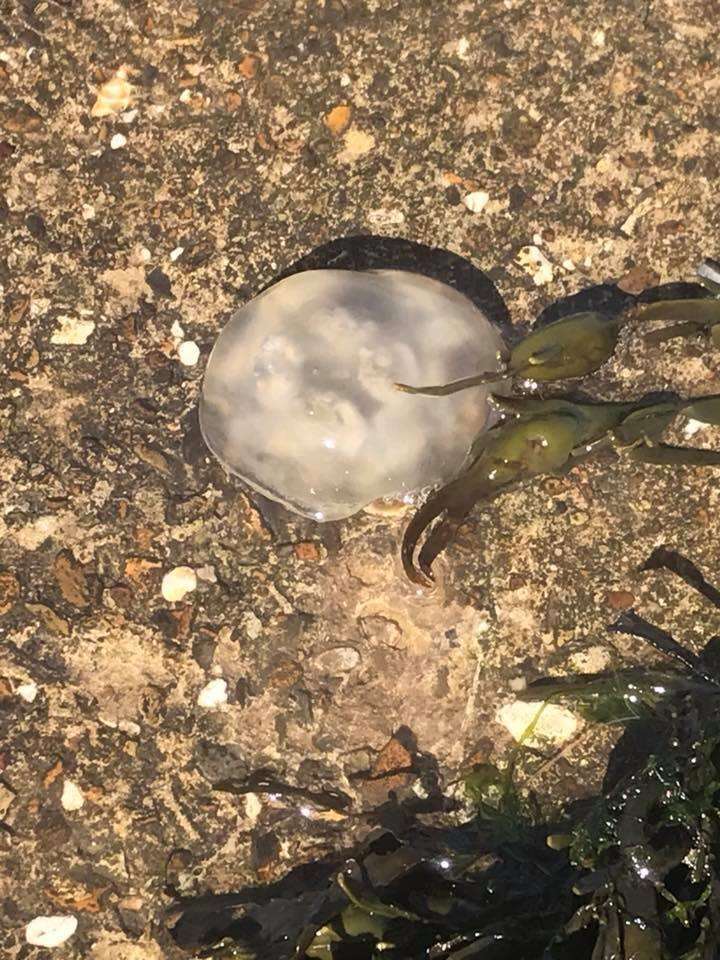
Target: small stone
pixel 159 283
pixel 534 262
pixel 248 66
pixel 177 583
pixel 213 695
pixel 174 254
pixel 114 95
pixel 620 599
pixel 307 550
pixel 252 625
pixel 129 727
pixel 50 931
pixel 188 353
pixel 207 573
pixel 72 331
pixel 118 141
pixel 253 806
pixel 476 201
pixel 28 691
pixel 72 796
pixel 338 119
pixel 337 660
pixel 638 279
pixel 555 724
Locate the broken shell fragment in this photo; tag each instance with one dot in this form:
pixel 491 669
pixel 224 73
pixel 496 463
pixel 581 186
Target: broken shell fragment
pixel 114 96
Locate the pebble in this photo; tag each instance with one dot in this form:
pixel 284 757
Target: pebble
pixel 476 201
pixel 337 660
pixel 214 694
pixel 253 806
pixel 555 724
pixel 207 573
pixel 72 796
pixel 28 691
pixel 177 252
pixel 252 625
pixel 177 583
pixel 50 931
pixel 118 141
pixel 338 119
pixel 72 331
pixel 188 353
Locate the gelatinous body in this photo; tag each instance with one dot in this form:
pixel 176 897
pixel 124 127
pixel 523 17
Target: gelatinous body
pixel 299 397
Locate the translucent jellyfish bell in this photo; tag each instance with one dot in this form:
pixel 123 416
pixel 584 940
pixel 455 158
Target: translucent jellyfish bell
pixel 299 398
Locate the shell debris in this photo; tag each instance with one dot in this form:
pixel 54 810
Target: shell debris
pixel 177 583
pixel 114 96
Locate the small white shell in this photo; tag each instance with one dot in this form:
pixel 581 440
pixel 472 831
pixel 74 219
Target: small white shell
pixel 178 582
pixel 114 96
pixel 72 796
pixel 214 694
pixel 188 353
pixel 50 931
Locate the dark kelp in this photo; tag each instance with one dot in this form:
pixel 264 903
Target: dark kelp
pixel 631 875
pixel 548 436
